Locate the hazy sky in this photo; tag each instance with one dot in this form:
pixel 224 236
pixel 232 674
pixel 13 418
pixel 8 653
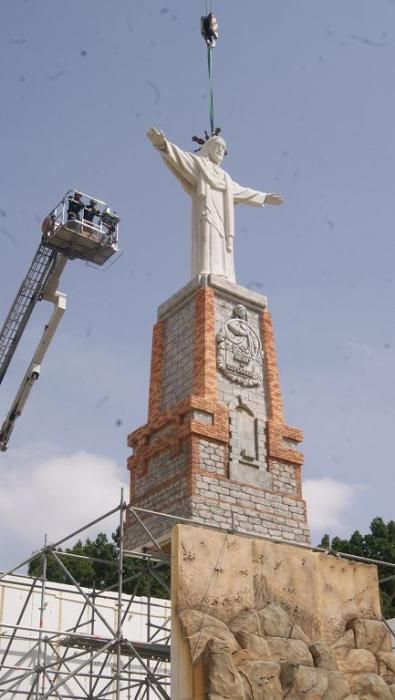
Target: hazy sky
pixel 304 93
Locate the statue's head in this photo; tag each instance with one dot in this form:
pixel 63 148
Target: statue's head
pixel 240 311
pixel 214 149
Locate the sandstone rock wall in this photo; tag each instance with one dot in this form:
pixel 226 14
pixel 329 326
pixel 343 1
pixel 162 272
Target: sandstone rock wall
pixel 263 655
pixel 257 620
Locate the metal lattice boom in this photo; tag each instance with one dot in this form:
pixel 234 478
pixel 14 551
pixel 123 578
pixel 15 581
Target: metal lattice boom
pixel 25 300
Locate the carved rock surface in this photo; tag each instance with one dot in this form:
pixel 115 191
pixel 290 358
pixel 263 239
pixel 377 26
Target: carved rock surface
pixel 256 644
pixel 224 680
pixel 201 628
pixel 303 682
pixel 275 621
pixel 371 634
pixel 199 640
pixel 247 661
pixel 261 680
pixel 297 633
pixel 193 621
pixel 358 661
pixel 369 686
pixel 283 650
pixel 247 622
pixel 343 644
pixel 338 687
pixel 323 656
pixel 244 655
pixel 288 673
pixel 386 661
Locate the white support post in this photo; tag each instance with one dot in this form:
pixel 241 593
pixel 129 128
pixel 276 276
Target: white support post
pixel 33 371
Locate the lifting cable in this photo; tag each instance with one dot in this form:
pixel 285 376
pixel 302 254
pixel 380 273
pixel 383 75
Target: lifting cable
pixel 209 32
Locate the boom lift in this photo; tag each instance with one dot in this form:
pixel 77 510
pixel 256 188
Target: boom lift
pixel 79 227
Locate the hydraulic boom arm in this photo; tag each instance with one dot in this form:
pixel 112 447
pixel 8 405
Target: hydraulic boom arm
pixel 48 291
pixel 33 371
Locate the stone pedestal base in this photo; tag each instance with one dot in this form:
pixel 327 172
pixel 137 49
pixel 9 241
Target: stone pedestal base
pixel 216 448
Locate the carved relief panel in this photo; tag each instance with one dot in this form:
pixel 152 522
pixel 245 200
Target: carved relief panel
pixel 239 350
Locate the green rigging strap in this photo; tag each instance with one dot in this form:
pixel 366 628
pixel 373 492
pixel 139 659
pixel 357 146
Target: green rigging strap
pixel 210 80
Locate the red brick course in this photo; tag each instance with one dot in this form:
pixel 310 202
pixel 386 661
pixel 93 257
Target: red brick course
pixel 157 359
pixel 277 432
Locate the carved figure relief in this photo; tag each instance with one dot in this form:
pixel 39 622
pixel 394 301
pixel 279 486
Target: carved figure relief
pixel 239 350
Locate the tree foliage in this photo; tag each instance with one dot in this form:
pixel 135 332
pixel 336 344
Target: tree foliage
pixel 378 544
pixel 101 569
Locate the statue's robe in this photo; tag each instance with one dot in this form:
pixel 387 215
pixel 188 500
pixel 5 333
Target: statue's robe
pixel 214 195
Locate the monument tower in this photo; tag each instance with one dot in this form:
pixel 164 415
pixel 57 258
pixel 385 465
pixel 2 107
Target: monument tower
pixel 216 447
pixel 251 617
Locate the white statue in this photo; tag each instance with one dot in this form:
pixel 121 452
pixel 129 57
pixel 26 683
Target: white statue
pixel 214 195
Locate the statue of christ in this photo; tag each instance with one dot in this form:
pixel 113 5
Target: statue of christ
pixel 214 195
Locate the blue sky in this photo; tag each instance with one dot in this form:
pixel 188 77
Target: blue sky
pixel 304 95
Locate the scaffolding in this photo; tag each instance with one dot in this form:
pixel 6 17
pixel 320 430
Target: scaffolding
pixel 95 657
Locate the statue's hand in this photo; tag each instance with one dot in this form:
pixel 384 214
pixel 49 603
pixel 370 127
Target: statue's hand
pixel 275 199
pixel 156 137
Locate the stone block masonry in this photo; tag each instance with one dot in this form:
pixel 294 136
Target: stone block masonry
pixel 216 448
pixel 178 356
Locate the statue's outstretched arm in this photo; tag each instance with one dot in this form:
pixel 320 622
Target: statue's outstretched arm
pixel 180 162
pixel 245 195
pixel 275 199
pixel 157 138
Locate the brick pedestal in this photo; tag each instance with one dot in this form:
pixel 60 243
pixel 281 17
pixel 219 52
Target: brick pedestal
pixel 216 448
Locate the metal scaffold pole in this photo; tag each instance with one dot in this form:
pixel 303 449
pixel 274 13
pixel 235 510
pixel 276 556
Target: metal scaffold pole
pixel 119 605
pixel 40 646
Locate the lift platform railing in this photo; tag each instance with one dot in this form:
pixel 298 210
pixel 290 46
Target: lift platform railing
pixel 100 224
pixel 93 238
